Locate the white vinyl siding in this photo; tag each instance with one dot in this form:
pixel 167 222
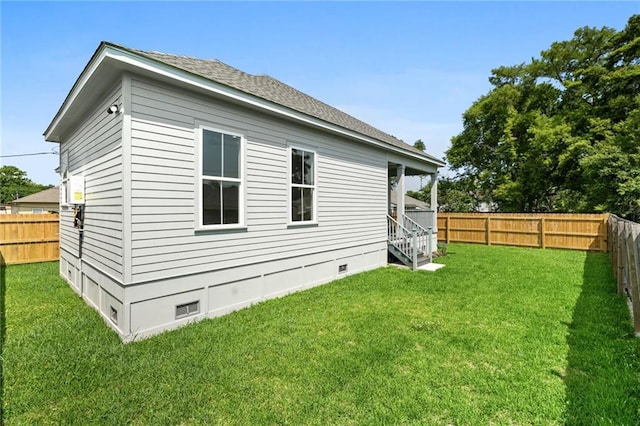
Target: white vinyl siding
pixel 94 151
pixel 351 181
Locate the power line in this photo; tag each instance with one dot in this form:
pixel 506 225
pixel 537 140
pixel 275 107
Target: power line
pixel 26 155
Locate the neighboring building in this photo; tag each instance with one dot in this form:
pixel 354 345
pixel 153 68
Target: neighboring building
pixel 410 203
pixel 416 210
pixel 47 201
pixel 207 189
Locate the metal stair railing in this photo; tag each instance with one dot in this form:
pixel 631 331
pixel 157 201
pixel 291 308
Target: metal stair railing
pixel 399 237
pixel 423 235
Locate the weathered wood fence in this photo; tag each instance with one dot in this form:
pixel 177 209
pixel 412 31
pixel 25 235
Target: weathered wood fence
pixel 29 238
pixel 545 230
pixel 624 249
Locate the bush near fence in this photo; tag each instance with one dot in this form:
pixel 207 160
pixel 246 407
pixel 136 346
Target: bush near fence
pixel 29 238
pixel 544 230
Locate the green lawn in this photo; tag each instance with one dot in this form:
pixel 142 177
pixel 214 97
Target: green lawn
pixel 499 336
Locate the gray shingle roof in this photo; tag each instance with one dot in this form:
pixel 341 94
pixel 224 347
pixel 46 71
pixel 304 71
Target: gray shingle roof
pixel 275 91
pixel 51 195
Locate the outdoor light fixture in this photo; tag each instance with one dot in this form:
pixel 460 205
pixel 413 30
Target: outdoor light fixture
pixel 113 109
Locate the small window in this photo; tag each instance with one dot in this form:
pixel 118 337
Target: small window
pixel 187 309
pixel 220 179
pixel 36 210
pixel 303 185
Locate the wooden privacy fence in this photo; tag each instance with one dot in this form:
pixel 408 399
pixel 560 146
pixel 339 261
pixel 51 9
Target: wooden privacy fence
pixel 29 238
pixel 624 249
pixel 544 230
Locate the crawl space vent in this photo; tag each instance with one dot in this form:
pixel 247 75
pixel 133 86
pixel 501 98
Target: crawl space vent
pixel 113 314
pixel 187 309
pixel 342 268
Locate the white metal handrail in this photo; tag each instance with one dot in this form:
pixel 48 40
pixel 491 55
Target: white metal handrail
pixel 400 237
pixel 409 238
pixel 423 234
pixel 424 218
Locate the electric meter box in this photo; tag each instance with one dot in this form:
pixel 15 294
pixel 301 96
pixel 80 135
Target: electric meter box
pixel 76 189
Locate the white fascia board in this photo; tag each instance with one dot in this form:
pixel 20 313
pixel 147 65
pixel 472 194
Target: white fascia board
pixel 143 63
pixel 75 90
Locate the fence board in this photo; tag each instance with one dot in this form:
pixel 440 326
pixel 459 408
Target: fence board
pixel 29 238
pixel 624 249
pixel 546 230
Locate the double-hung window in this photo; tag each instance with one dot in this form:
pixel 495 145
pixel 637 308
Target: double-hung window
pixel 220 179
pixel 303 185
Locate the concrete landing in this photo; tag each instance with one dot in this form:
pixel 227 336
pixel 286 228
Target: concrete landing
pixel 430 267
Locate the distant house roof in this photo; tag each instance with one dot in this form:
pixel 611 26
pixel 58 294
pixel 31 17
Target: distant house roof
pixel 409 202
pixel 260 86
pixel 48 196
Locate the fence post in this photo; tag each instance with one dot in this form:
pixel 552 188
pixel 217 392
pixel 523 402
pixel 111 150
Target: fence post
pixel 604 245
pixel 542 234
pixel 624 255
pixel 619 272
pixel 634 276
pixel 488 230
pixel 448 238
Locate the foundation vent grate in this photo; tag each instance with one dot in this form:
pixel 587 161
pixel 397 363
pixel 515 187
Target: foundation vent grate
pixel 113 314
pixel 187 309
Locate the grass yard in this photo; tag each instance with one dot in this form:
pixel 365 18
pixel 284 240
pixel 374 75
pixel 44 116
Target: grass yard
pixel 500 336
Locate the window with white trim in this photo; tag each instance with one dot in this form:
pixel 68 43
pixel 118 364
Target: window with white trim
pixel 303 185
pixel 220 178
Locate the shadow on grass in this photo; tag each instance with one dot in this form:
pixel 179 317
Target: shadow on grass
pixel 3 329
pixel 602 385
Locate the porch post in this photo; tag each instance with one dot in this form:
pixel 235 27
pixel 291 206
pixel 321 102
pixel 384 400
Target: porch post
pixel 400 192
pixel 434 200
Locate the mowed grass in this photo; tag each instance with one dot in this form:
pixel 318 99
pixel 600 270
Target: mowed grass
pixel 499 336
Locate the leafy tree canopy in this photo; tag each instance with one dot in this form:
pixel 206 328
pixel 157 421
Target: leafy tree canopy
pixel 15 184
pixel 455 195
pixel 560 133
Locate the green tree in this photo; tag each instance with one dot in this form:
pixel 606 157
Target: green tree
pixel 459 194
pixel 14 183
pixel 560 133
pixel 419 144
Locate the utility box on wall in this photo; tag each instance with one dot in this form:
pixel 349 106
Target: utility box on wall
pixel 76 189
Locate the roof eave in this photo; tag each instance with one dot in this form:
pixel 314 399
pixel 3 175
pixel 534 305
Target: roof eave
pixel 82 79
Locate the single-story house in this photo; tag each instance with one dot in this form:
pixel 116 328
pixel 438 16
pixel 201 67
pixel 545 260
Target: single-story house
pixel 192 189
pixel 46 201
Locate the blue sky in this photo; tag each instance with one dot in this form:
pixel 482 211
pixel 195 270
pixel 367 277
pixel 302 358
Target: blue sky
pixel 408 68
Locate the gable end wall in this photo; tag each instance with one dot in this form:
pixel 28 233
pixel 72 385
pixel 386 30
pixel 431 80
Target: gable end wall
pixel 94 150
